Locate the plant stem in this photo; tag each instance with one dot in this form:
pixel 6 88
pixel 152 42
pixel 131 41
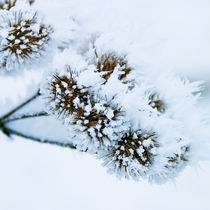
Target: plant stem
pixel 20 106
pixel 10 132
pixel 25 116
pixel 46 141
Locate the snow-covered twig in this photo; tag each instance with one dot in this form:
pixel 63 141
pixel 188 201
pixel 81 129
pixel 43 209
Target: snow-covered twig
pixel 11 132
pixel 25 116
pixel 20 106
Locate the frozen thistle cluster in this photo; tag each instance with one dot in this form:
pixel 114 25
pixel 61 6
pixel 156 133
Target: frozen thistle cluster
pixel 138 155
pixel 23 37
pixel 83 99
pixel 138 124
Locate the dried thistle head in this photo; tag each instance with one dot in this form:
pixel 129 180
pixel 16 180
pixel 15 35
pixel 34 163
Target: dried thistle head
pixel 92 119
pixel 132 155
pixel 25 40
pixel 7 4
pixel 107 63
pixel 156 103
pixel 139 154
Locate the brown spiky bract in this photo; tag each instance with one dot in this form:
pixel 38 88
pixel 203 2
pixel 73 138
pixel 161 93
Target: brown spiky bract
pixel 133 146
pixel 7 4
pixel 106 64
pixel 74 101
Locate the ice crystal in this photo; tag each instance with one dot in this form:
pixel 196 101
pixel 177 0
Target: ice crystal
pixel 140 154
pixel 132 129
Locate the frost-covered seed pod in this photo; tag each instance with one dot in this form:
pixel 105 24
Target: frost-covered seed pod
pixel 137 155
pixel 106 63
pixel 25 39
pixel 132 155
pixel 94 118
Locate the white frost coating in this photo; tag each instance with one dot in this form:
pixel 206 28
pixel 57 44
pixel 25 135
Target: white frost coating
pixel 175 138
pixel 172 146
pixel 85 132
pixel 181 125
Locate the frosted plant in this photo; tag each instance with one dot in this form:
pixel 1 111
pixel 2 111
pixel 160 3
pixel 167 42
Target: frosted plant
pixel 114 69
pixel 141 154
pixel 132 155
pixel 140 125
pixel 94 123
pixel 107 63
pixel 23 38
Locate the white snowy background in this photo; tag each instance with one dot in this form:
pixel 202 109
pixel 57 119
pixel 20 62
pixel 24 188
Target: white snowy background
pixel 164 36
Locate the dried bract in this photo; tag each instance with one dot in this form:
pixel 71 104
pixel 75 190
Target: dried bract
pixel 132 155
pixel 107 63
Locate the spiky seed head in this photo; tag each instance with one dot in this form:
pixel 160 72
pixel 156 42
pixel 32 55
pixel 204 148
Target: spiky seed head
pixel 137 154
pixel 132 155
pixel 156 103
pixel 25 40
pixel 94 121
pixel 7 4
pixel 106 63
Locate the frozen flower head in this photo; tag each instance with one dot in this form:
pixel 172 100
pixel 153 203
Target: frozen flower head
pixel 92 121
pixel 140 154
pixel 23 38
pixel 7 4
pixel 107 63
pixel 132 155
